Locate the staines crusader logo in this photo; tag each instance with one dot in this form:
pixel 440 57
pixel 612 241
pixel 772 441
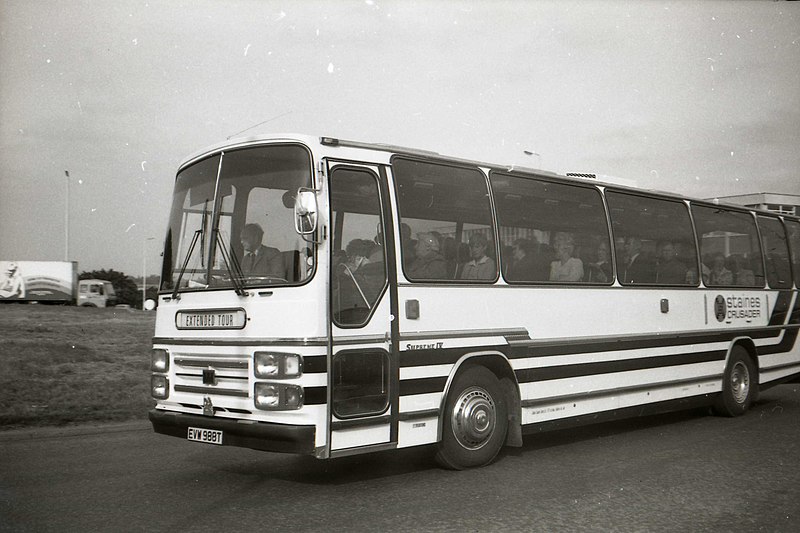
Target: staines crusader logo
pixel 737 307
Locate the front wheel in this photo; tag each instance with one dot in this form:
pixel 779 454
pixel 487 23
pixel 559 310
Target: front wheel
pixel 739 384
pixel 475 420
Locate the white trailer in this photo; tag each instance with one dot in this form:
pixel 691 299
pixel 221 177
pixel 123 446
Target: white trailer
pixel 38 281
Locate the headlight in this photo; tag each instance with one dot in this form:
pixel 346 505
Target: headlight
pixel 159 387
pixel 272 365
pixel 159 361
pixel 278 396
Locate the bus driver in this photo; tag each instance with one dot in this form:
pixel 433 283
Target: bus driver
pixel 259 260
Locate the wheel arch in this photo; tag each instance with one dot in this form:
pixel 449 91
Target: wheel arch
pixel 497 363
pixel 750 347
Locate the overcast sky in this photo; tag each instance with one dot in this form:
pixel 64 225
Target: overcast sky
pixel 701 98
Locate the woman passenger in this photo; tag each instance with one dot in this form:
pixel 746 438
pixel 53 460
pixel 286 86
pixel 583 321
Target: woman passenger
pixel 719 275
pixel 565 267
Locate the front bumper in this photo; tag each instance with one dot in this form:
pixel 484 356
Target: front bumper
pixel 257 435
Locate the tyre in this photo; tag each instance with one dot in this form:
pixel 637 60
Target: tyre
pixel 739 384
pixel 475 420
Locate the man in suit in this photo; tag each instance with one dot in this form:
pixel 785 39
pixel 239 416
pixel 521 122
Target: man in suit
pixel 639 268
pixel 259 260
pixel 670 271
pixel 529 264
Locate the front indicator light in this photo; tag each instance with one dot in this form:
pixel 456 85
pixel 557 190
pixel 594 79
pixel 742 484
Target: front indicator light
pixel 159 361
pixel 278 396
pixel 159 387
pixel 271 365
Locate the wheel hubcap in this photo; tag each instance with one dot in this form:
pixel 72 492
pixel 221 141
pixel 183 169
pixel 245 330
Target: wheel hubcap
pixel 474 418
pixel 740 382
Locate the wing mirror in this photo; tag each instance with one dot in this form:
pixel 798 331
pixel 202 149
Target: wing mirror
pixel 305 211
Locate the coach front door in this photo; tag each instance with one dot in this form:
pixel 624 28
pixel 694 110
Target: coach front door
pixel 363 372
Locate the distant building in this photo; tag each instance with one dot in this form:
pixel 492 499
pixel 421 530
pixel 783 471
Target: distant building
pixel 783 204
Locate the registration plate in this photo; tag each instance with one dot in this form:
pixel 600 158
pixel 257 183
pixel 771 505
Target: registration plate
pixel 210 436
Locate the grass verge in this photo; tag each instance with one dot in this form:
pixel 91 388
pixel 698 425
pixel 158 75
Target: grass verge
pixel 61 365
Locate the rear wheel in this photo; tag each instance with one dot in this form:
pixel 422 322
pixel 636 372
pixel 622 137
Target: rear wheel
pixel 475 420
pixel 739 384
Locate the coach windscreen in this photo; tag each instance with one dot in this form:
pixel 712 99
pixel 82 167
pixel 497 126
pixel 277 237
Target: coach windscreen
pixel 232 221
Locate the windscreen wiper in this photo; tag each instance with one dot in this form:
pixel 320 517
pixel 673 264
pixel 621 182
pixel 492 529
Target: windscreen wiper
pixel 201 235
pixel 197 235
pixel 233 267
pixel 203 223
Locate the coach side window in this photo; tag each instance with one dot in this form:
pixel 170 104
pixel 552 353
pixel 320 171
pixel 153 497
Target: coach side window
pixel 446 227
pixel 655 243
pixel 551 232
pixel 776 253
pixel 794 243
pixel 730 254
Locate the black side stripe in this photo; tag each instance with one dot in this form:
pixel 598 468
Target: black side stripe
pixel 569 347
pixel 529 375
pixel 314 364
pixel 795 318
pixel 315 395
pixel 786 344
pixel 781 308
pixel 789 339
pixel 409 387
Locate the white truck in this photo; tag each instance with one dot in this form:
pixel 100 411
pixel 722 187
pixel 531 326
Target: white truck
pixel 96 293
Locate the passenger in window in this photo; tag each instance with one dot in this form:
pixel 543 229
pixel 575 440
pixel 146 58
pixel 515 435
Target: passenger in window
pixel 719 275
pixel 358 252
pixel 669 271
pixel 622 254
pixel 462 257
pixel 565 267
pixel 371 274
pixel 450 253
pixel 706 272
pixel 527 264
pixel 339 258
pixel 638 268
pixel 481 266
pixel 346 265
pixel 259 260
pixel 358 281
pixel 376 253
pixel 691 275
pixel 428 262
pixel 407 244
pixel 440 239
pixel 741 276
pixel 600 271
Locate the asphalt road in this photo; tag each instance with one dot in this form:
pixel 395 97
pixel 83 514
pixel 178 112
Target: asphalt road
pixel 677 472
